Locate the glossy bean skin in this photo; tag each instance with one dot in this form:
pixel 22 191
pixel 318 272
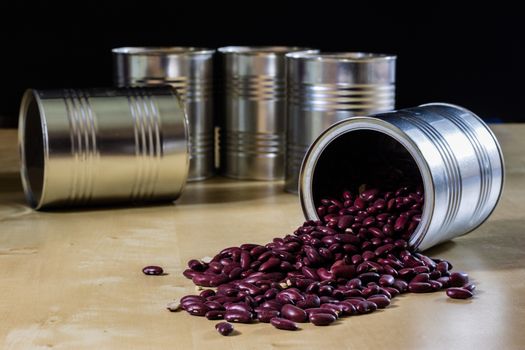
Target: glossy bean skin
pixel 380 300
pixel 153 270
pixel 238 316
pixel 459 293
pixel 284 324
pixel 293 313
pixel 420 287
pixel 224 328
pixel 458 279
pixel 215 314
pixel 320 319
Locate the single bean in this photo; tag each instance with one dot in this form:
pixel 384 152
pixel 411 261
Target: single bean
pixel 197 309
pixel 320 319
pixel 420 287
pixel 293 313
pixel 224 328
pixel 380 300
pixel 238 316
pixel 153 270
pixel 459 293
pixel 284 324
pixel 458 279
pixel 386 280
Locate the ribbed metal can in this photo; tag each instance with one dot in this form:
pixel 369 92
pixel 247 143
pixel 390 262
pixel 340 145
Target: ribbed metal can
pixel 86 147
pixel 190 71
pixel 328 87
pixel 446 148
pixel 253 132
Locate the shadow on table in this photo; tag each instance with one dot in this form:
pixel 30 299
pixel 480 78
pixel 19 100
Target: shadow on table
pixel 224 190
pixel 496 245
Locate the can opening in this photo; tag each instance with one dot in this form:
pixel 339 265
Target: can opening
pixel 363 157
pixel 32 162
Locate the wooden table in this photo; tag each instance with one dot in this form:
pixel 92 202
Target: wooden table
pixel 73 280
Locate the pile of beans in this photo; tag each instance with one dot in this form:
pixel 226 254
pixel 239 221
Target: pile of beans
pixel 351 262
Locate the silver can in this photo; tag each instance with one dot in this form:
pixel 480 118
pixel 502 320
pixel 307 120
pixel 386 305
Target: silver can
pixel 447 148
pixel 190 71
pixel 84 147
pixel 328 87
pixel 253 133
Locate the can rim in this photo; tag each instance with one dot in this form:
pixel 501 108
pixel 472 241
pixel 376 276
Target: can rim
pixel 373 124
pixel 31 96
pixel 161 50
pixel 262 50
pixel 357 57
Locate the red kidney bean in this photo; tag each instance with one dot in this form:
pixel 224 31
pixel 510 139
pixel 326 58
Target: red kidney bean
pixel 238 307
pixel 319 310
pixel 436 285
pixel 421 269
pixel 293 313
pixel 348 308
pixel 197 309
pixel 459 293
pixel 319 319
pixel 369 277
pixel 373 289
pixel 215 314
pixel 224 328
pixel 422 277
pixel 265 315
pixel 386 280
pixel 365 307
pixel 393 291
pixel 442 267
pixel 458 279
pixel 310 301
pixel 270 264
pixel 420 287
pixel 284 324
pixel 213 305
pixel 207 293
pixel 400 285
pixel 238 316
pixel 470 287
pixel 380 300
pixel 153 270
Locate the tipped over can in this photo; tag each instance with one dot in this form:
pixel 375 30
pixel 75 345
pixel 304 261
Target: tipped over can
pixel 102 146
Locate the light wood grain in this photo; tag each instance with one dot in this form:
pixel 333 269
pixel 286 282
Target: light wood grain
pixel 72 279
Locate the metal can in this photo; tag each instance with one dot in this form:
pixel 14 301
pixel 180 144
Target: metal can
pixel 328 87
pixel 190 71
pixel 253 134
pixel 84 147
pixel 452 151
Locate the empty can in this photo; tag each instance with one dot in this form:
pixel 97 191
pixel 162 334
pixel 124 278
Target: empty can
pixel 328 87
pixel 253 132
pixel 447 148
pixel 85 147
pixel 190 71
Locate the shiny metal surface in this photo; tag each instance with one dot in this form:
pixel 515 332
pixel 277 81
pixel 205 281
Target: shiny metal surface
pixel 83 147
pixel 328 87
pixel 253 135
pixel 454 152
pixel 190 71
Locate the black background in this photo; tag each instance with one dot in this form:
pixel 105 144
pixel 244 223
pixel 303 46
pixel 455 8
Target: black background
pixel 473 57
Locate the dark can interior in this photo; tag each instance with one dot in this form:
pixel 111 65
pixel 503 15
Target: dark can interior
pixel 363 157
pixel 33 148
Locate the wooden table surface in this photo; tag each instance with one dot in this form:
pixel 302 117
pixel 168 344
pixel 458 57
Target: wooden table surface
pixel 73 280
